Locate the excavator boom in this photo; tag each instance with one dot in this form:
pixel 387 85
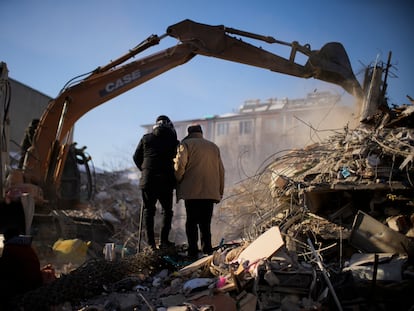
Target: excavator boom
pixel 44 160
pixel 330 63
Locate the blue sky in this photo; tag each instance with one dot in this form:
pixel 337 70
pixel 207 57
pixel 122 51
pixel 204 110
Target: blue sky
pixel 47 43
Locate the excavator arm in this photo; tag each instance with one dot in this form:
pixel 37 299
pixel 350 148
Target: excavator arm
pixel 329 64
pixel 45 159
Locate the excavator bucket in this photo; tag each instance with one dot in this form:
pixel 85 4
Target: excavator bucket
pixel 331 64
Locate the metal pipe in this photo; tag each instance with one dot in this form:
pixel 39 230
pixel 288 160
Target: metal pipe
pixel 325 274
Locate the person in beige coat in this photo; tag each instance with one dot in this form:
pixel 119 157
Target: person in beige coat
pixel 199 172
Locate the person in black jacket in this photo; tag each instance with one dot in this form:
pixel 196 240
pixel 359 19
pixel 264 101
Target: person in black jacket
pixel 154 158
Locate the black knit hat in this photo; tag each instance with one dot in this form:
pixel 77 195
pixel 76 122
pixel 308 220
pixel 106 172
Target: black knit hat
pixel 194 128
pixel 163 118
pixel 163 121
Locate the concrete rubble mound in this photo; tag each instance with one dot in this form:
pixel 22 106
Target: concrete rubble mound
pixel 326 227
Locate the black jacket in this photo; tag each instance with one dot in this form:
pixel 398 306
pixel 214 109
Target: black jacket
pixel 154 157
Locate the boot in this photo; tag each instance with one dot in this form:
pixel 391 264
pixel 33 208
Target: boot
pixel 150 233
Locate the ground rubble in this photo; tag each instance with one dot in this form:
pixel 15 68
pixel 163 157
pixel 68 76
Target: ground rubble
pixel 265 274
pixel 326 227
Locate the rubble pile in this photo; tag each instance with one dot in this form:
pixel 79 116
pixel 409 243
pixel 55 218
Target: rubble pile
pixel 91 279
pixel 361 169
pixel 352 196
pixel 352 158
pixel 117 202
pixel 327 227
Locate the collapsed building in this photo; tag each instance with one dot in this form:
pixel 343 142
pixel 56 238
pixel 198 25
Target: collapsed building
pixel 329 228
pixel 325 227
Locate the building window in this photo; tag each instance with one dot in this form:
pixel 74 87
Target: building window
pixel 271 125
pixel 222 128
pixel 245 127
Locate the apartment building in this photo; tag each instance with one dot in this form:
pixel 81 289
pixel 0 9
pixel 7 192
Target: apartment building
pixel 262 130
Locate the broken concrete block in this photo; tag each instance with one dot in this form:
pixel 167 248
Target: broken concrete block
pixel 390 268
pixel 371 236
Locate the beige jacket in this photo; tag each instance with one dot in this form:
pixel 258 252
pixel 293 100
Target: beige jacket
pixel 199 169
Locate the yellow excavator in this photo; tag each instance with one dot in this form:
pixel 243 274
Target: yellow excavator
pixel 38 182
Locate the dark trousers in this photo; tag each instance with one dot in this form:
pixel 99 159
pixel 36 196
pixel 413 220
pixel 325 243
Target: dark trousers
pixel 199 214
pixel 150 198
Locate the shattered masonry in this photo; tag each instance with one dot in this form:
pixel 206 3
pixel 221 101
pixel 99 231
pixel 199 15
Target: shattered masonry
pixel 332 230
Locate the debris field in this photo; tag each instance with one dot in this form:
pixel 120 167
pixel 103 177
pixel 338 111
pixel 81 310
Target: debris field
pixel 326 227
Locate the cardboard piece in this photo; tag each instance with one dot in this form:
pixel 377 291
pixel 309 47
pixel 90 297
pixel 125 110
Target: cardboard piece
pixel 263 247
